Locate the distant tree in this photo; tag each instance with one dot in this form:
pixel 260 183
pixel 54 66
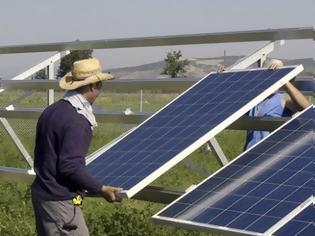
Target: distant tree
pixel 174 66
pixel 67 61
pixel 41 74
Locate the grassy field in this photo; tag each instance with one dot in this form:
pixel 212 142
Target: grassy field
pixel 131 217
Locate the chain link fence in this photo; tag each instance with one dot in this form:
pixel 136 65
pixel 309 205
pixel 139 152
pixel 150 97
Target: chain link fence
pixel 25 129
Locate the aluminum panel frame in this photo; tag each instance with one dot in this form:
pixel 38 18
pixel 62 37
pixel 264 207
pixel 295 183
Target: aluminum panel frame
pixel 176 159
pixel 229 231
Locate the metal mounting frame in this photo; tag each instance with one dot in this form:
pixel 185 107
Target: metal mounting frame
pixel 206 38
pixel 46 63
pixel 260 35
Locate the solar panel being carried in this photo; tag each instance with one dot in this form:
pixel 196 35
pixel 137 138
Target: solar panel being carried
pixel 259 191
pixel 301 225
pixel 185 124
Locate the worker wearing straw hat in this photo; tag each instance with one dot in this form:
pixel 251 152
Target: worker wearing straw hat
pixel 63 135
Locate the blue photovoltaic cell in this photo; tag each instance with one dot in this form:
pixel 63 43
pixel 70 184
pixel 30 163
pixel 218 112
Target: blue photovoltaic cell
pixel 301 225
pixel 259 188
pixel 180 124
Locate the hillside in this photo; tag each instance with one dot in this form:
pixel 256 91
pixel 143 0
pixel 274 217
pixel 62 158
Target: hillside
pixel 197 67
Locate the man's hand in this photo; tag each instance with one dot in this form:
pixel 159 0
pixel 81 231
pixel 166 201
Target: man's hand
pixel 221 68
pixel 110 193
pixel 275 64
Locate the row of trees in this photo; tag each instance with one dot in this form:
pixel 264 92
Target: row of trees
pixel 174 65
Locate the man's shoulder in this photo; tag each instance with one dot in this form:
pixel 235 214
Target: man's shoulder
pixel 59 107
pixel 63 111
pixel 60 104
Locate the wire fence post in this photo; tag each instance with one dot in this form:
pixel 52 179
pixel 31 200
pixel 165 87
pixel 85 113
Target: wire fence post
pixel 51 93
pixel 141 100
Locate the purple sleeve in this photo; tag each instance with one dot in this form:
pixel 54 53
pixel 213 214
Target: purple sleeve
pixel 71 164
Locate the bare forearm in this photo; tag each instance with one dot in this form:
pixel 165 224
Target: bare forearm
pixel 297 98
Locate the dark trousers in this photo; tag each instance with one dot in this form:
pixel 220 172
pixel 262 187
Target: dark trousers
pixel 58 218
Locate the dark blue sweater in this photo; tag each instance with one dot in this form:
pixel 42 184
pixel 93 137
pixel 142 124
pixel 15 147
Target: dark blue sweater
pixel 62 140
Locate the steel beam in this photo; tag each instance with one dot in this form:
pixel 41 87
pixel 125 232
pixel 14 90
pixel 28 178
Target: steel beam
pixel 101 116
pixel 51 76
pixel 118 85
pixel 158 194
pixel 258 123
pixel 306 84
pixel 256 56
pixel 11 174
pixel 38 67
pixel 217 151
pixel 149 193
pixel 206 38
pixel 244 123
pixel 17 141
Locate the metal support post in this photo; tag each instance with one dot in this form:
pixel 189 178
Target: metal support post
pixel 141 100
pixel 50 93
pixel 260 62
pixel 259 55
pixel 217 151
pixel 16 175
pixel 17 141
pixel 48 63
pixel 39 66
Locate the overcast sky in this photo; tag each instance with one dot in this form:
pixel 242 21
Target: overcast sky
pixel 41 21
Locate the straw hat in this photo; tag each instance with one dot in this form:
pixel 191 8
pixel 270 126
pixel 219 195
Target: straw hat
pixel 84 72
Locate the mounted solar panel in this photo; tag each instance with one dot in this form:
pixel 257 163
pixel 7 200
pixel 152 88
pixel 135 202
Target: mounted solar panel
pixel 301 225
pixel 259 191
pixel 186 123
